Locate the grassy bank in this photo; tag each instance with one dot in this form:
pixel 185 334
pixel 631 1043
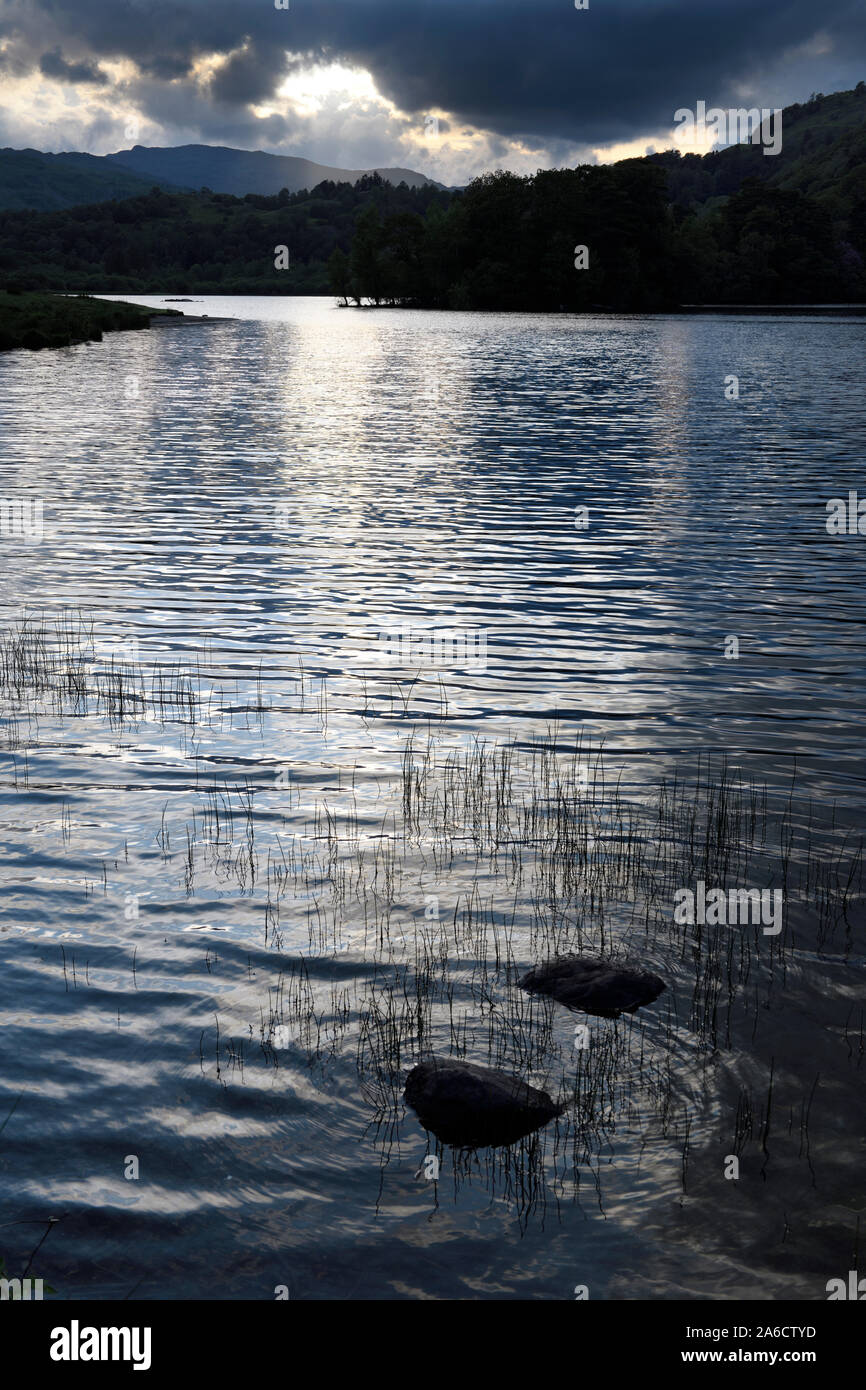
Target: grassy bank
pixel 51 320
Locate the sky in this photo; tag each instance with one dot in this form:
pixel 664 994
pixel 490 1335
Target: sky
pixel 452 88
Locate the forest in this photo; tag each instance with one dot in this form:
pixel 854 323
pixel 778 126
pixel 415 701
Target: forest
pixel 642 235
pixel 514 243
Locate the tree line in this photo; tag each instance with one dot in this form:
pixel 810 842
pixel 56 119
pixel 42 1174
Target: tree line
pixel 597 237
pixel 602 237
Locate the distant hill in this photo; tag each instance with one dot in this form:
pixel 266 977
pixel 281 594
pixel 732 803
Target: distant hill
pixel 33 181
pixel 49 182
pixel 736 226
pixel 823 156
pixel 225 170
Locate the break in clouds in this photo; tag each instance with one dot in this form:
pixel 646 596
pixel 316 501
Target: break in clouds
pixel 522 84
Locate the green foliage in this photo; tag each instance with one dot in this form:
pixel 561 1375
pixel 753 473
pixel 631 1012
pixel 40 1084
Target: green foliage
pixel 779 247
pixel 823 156
pixel 47 320
pixel 31 179
pixel 338 273
pixel 509 243
pixel 206 242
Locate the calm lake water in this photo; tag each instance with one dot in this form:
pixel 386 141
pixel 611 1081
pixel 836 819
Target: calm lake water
pixel 253 532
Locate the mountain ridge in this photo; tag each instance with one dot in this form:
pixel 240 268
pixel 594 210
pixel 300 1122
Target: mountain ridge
pixel 39 181
pixel 224 169
pixel 33 181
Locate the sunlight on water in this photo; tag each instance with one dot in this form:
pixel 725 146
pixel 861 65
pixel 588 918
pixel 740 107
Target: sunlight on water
pixel 371 639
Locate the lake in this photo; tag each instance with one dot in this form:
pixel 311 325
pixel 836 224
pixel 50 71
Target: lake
pixel 354 661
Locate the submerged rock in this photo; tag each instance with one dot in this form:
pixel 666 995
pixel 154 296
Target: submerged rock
pixel 473 1107
pixel 595 986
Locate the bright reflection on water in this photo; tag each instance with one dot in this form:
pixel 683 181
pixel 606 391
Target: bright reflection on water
pixel 245 506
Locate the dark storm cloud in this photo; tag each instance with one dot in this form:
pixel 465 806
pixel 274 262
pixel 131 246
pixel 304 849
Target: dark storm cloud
pixel 55 65
pixel 531 68
pixel 250 75
pixel 165 67
pixel 523 67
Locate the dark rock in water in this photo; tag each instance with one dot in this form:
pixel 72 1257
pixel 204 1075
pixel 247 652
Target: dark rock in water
pixel 595 986
pixel 473 1107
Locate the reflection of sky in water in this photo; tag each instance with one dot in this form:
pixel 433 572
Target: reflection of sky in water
pixel 281 491
pixel 286 510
